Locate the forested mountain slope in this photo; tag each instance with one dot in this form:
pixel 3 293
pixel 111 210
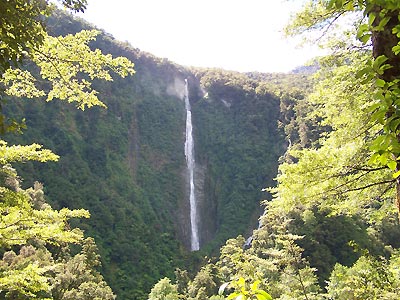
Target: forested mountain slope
pixel 126 164
pixel 331 230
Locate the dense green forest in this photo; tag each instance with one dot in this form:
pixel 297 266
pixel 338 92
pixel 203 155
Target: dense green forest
pixel 125 164
pixel 331 230
pixel 111 216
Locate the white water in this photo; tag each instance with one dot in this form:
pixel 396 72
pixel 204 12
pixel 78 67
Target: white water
pixel 249 240
pixel 189 153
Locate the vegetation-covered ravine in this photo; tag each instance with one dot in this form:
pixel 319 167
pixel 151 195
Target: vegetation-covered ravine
pixel 297 175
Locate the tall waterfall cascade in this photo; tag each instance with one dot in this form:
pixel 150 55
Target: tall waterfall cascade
pixel 189 153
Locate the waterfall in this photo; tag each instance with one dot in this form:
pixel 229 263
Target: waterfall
pixel 189 153
pixel 247 243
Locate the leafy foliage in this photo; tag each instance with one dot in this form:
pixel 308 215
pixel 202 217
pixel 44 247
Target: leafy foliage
pixel 334 188
pixel 332 207
pixel 368 277
pixel 63 61
pixel 377 24
pixel 23 28
pixel 125 164
pixel 45 266
pixel 164 290
pixel 100 168
pixel 243 292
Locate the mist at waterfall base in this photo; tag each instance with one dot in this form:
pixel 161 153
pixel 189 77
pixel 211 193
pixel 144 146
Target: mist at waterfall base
pixel 189 153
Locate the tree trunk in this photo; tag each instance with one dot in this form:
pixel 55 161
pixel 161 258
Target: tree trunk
pixel 382 43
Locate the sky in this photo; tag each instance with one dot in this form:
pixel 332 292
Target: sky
pixel 239 35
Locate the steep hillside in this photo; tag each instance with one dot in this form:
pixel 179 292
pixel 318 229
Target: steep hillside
pixel 126 164
pixel 239 144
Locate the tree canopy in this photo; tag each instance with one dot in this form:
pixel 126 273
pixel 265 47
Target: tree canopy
pixel 35 239
pixel 66 65
pixel 331 230
pixel 23 27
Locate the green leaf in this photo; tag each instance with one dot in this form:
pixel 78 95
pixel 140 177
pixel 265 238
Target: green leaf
pixel 331 4
pixel 365 38
pixel 397 174
pixel 380 82
pixel 339 3
pixel 374 158
pixel 379 61
pixel 379 96
pixel 264 294
pixel 396 30
pixel 362 30
pixel 364 71
pixel 383 68
pixel 371 18
pixel 241 281
pixel 384 158
pixel 392 165
pixel 254 285
pixel 396 49
pixel 232 296
pixel 349 6
pixel 394 124
pixel 379 115
pixel 382 24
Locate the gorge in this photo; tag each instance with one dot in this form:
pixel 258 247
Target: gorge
pixel 197 183
pixel 125 164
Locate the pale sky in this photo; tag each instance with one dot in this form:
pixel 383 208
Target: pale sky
pixel 240 35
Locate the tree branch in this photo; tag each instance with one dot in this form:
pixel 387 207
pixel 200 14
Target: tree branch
pixel 369 185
